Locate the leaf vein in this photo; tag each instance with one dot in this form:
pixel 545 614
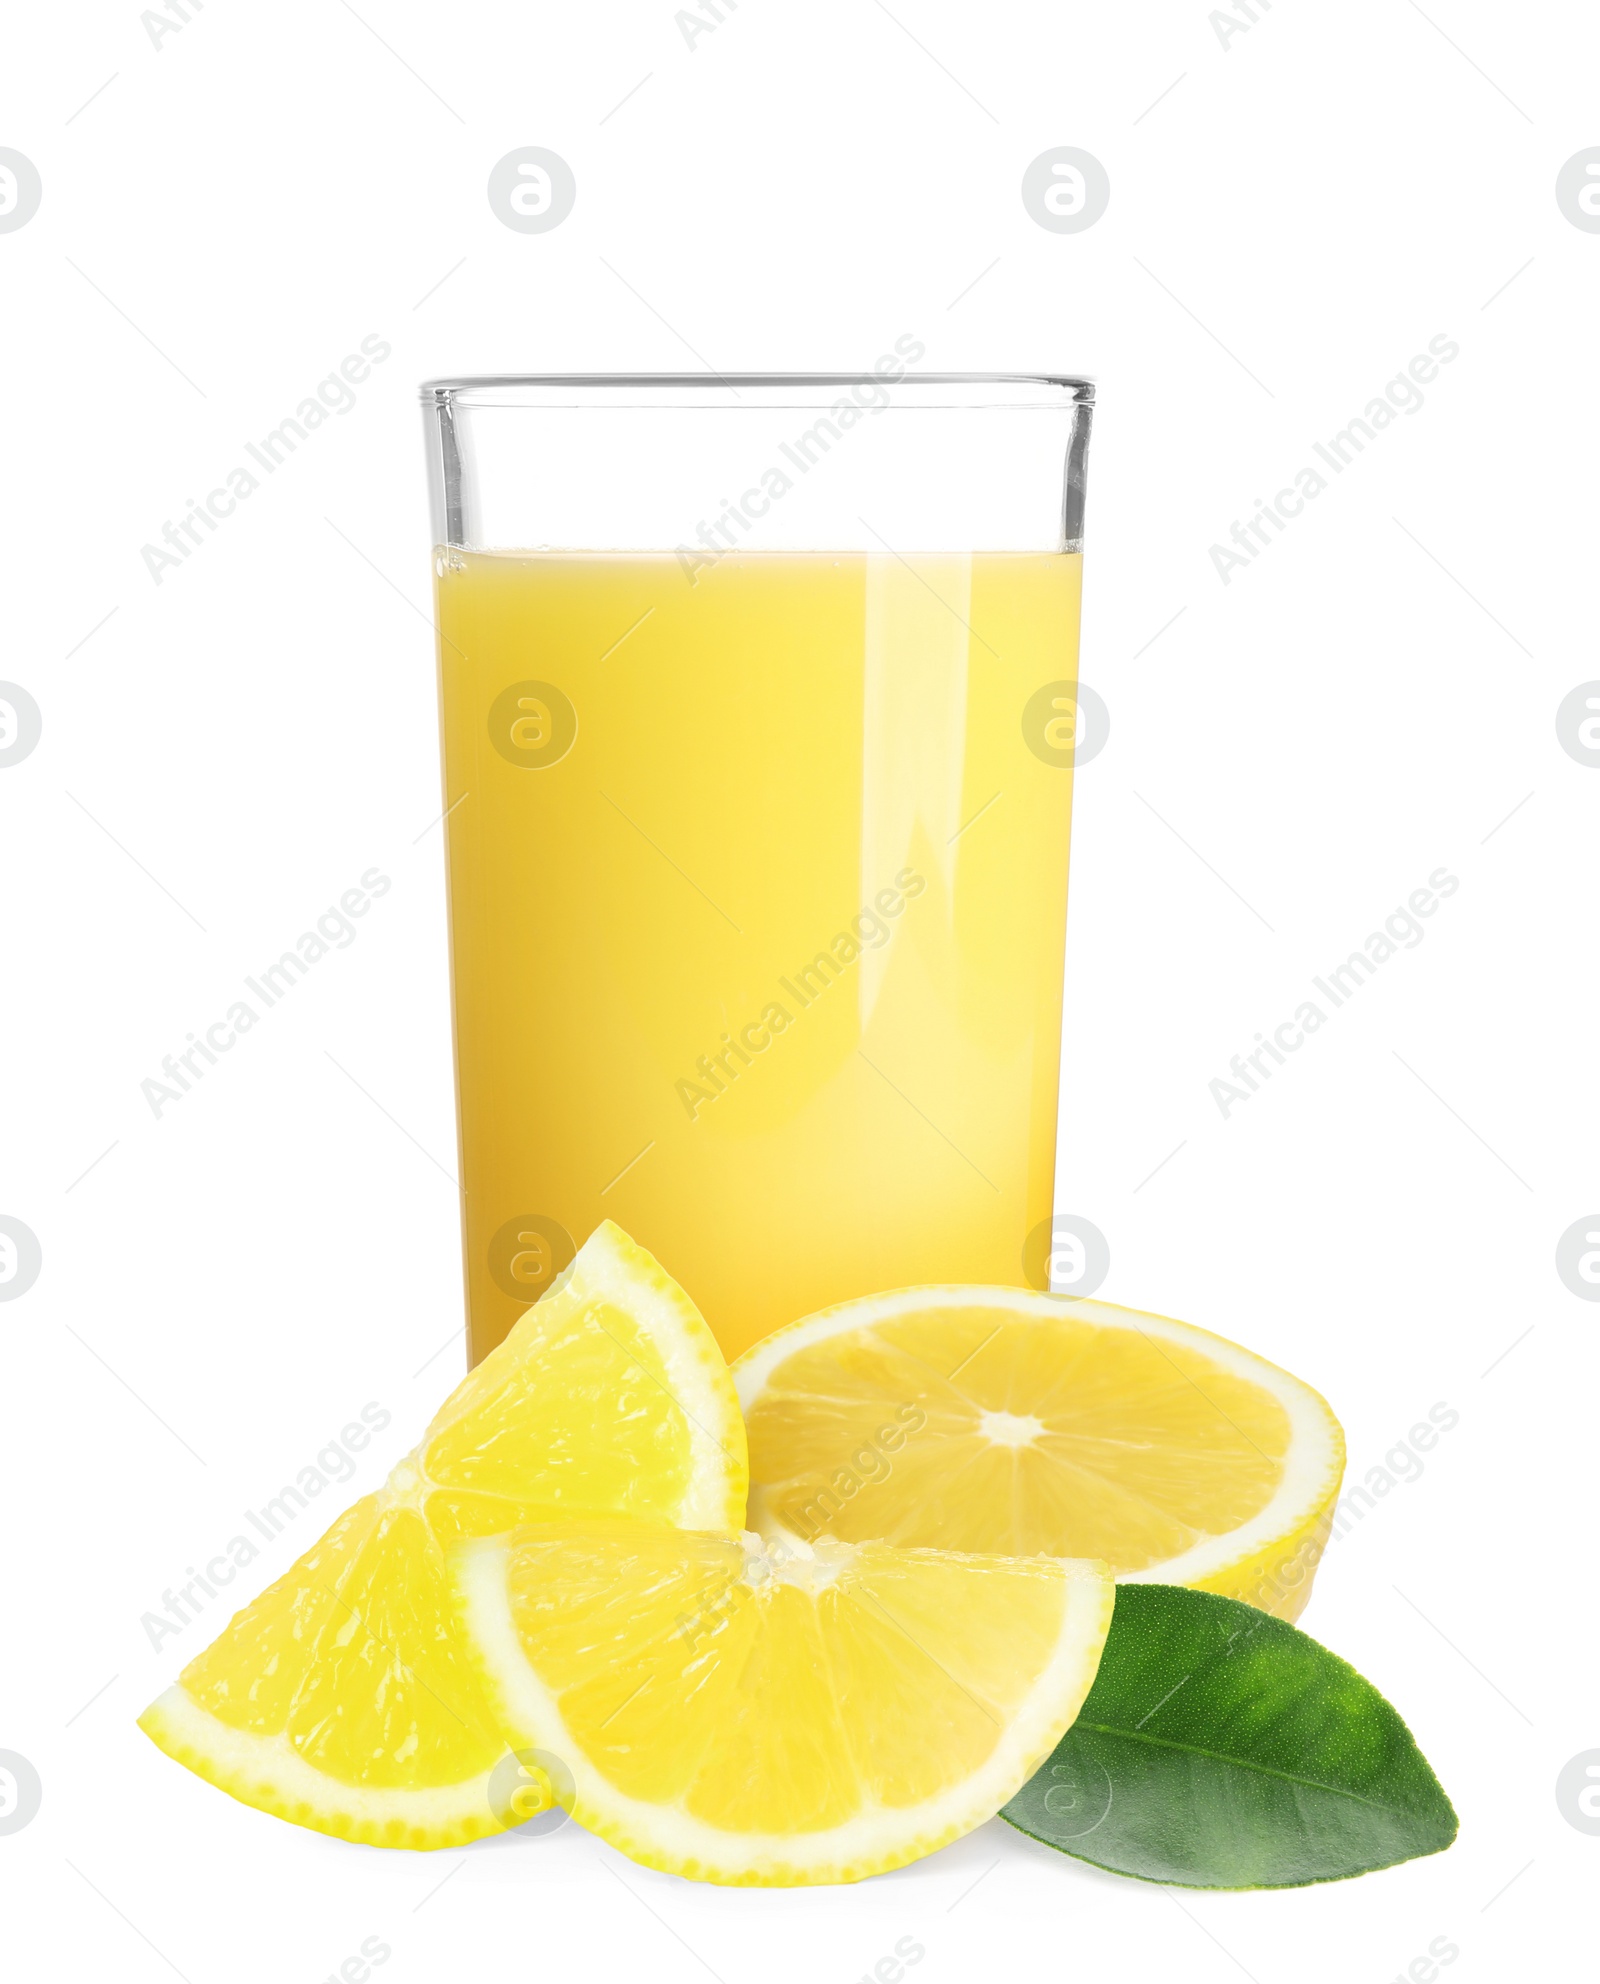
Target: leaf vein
pixel 1242 1763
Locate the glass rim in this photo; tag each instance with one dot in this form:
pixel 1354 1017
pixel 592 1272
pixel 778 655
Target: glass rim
pixel 510 389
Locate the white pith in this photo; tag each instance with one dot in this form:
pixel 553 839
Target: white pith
pixel 1010 1429
pixel 872 1840
pixel 1311 1465
pixel 269 1773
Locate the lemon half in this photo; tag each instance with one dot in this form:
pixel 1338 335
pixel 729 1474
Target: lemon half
pixel 1000 1419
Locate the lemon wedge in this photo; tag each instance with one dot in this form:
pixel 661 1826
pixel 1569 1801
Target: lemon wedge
pixel 776 1715
pixel 341 1698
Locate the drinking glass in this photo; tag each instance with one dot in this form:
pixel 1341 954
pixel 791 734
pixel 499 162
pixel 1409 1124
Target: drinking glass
pixel 759 708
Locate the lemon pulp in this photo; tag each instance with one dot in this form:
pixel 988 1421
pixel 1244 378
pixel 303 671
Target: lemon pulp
pixel 775 1714
pixel 341 1699
pixel 1003 1420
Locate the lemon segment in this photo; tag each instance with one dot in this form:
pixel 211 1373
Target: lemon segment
pixel 610 1393
pixel 342 1698
pixel 339 1700
pixel 1004 1420
pixel 758 1715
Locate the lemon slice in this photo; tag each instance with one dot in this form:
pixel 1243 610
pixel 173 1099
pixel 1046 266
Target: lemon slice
pixel 999 1419
pixel 341 1699
pixel 772 1716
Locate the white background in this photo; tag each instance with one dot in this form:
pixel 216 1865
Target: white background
pixel 1292 218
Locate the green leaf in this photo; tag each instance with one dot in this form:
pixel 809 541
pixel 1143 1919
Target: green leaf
pixel 1222 1748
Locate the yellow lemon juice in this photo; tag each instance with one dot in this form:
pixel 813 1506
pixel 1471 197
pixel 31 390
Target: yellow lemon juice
pixel 758 892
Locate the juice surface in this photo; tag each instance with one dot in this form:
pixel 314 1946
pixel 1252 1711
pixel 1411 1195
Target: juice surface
pixel 757 907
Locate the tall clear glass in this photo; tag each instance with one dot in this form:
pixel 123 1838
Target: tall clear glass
pixel 758 703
